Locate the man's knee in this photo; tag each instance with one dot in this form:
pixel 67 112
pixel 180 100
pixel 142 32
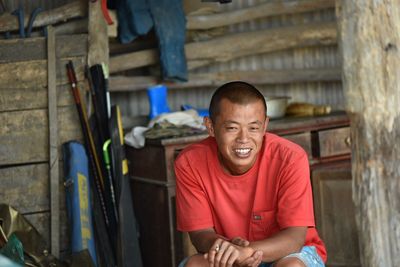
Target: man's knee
pixel 289 262
pixel 197 260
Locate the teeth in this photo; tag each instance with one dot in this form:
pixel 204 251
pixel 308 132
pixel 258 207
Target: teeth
pixel 242 150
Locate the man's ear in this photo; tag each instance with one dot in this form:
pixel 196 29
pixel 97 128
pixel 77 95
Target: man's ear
pixel 208 123
pixel 266 123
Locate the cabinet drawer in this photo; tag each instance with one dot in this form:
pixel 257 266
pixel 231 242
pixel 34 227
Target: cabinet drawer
pixel 332 142
pixel 302 139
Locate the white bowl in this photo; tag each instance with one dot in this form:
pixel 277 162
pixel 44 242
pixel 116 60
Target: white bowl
pixel 276 106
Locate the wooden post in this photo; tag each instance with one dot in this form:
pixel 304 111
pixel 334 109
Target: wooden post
pixel 370 46
pixel 53 143
pixel 98 37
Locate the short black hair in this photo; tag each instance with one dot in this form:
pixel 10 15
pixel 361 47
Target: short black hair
pixel 237 92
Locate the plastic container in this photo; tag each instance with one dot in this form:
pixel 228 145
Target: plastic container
pixel 276 106
pixel 158 100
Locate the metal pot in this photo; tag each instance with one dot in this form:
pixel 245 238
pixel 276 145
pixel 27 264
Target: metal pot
pixel 276 106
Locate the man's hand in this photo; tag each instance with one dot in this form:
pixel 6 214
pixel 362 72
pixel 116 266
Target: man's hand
pixel 224 253
pixel 253 260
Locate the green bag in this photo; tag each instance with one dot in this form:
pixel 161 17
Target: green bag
pixel 13 250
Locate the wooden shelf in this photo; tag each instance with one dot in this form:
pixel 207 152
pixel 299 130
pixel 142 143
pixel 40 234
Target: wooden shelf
pixel 140 83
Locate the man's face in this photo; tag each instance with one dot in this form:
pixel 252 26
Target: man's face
pixel 239 132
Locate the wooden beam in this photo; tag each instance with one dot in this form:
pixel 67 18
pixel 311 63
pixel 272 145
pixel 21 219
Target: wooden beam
pixel 15 50
pixel 18 99
pixel 33 74
pixel 135 83
pixel 26 187
pixel 236 45
pixel 24 134
pixel 76 26
pixel 68 11
pixel 203 22
pixel 98 37
pixel 370 46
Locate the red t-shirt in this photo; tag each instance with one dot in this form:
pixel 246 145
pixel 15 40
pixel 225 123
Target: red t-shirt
pixel 274 194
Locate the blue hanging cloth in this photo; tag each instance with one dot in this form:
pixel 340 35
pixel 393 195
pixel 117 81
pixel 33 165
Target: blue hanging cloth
pixel 137 17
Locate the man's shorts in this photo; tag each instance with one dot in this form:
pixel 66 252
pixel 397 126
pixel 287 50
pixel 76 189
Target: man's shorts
pixel 308 255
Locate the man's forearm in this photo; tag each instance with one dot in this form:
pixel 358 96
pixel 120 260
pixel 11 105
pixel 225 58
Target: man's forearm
pixel 287 241
pixel 204 239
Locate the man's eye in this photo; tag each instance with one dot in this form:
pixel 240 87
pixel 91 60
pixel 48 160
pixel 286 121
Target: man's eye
pixel 231 128
pixel 254 129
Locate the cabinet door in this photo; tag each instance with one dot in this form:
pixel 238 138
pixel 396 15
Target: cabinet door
pixel 334 213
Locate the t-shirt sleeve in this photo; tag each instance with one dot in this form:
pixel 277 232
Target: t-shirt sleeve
pixel 192 206
pixel 295 203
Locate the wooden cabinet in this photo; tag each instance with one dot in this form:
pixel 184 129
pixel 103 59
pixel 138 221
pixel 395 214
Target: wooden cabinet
pixel 334 212
pixel 153 191
pixel 327 143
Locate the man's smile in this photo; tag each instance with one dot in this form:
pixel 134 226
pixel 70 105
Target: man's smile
pixel 242 152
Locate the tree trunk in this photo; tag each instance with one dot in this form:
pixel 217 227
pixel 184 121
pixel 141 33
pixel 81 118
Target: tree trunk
pixel 370 47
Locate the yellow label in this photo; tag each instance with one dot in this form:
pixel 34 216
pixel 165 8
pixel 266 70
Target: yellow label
pixel 83 207
pixel 124 166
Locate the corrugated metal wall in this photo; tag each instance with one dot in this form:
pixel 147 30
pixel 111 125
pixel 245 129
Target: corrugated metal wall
pixel 136 103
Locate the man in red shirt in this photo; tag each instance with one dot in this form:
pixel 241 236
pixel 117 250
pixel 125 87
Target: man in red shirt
pixel 244 195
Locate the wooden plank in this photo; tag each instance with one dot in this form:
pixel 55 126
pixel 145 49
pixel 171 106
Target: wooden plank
pixel 53 143
pixel 18 99
pixel 15 50
pixel 77 26
pixel 275 8
pixel 228 47
pixel 138 83
pixel 33 74
pixel 26 187
pixel 68 11
pixel 369 42
pixel 25 135
pixel 41 222
pixel 98 37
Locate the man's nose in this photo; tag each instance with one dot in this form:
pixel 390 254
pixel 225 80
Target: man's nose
pixel 243 136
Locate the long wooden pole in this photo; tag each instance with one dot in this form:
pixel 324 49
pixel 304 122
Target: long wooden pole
pixel 202 22
pixel 68 11
pixel 236 45
pixel 370 48
pixel 138 83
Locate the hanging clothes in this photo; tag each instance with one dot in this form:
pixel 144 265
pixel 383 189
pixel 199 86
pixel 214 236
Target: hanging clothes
pixel 137 17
